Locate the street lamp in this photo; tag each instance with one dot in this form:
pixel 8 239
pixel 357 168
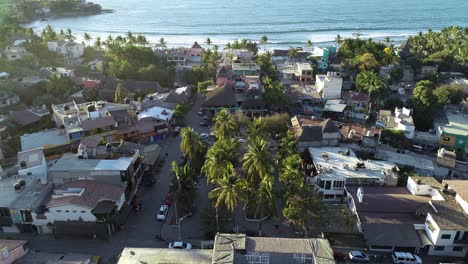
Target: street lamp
pixel 180 220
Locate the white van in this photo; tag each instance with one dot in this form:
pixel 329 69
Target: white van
pixel 405 258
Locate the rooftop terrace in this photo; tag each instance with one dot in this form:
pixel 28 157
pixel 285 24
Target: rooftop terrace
pixel 334 162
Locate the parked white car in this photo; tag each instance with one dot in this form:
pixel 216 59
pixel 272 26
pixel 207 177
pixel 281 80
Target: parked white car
pixel 180 245
pixel 358 256
pixel 204 136
pixel 162 213
pixel 405 258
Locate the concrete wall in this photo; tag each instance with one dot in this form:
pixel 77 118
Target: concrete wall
pixel 418 189
pixel 13 255
pixel 60 177
pixel 462 203
pixel 448 244
pixel 36 171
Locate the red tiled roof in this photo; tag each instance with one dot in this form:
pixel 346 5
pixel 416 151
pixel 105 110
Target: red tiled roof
pixel 91 83
pixel 93 193
pixel 356 96
pixel 359 131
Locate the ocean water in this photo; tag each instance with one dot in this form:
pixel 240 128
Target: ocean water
pixel 284 22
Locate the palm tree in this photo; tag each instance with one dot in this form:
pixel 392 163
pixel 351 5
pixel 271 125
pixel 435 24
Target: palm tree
pixel 208 42
pixel 309 43
pixel 243 43
pixel 98 43
pixel 229 192
pixel 265 202
pixel 292 53
pixel 338 39
pixel 69 35
pixel 228 45
pixel 182 186
pixel 220 159
pixel 191 145
pixel 109 41
pixel 291 176
pixel 256 128
pixel 257 160
pixel 141 40
pixel 388 41
pixel 369 81
pixel 225 126
pixel 130 38
pixel 263 40
pixel 162 42
pixel 87 38
pixel 62 34
pixel 287 146
pixel 48 34
pixel 357 35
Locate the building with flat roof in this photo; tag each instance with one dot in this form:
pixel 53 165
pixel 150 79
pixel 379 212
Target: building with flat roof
pixel 87 119
pixel 333 168
pixel 387 216
pixel 421 165
pixel 158 113
pixel 401 120
pixel 109 163
pixel 303 71
pixel 453 129
pixel 165 255
pixel 49 138
pixel 32 163
pixel 329 85
pixel 427 215
pixel 19 197
pixel 80 200
pixel 446 222
pixel 239 248
pixel 41 257
pixel 12 250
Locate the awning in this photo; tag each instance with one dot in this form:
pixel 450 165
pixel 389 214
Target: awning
pixel 425 240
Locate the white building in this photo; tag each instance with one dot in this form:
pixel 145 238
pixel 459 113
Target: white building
pixel 335 167
pixel 447 221
pixel 32 163
pixel 157 113
pixel 402 120
pixel 303 71
pixel 58 71
pixel 329 85
pixel 288 72
pixel 78 201
pixel 71 51
pixel 67 49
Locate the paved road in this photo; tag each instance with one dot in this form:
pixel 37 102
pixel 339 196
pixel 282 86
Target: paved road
pixel 140 229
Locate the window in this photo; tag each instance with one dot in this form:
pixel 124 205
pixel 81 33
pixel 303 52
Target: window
pixel 4 212
pixel 446 236
pixel 439 248
pixel 66 211
pixel 74 211
pixel 59 211
pixel 430 226
pixel 327 185
pixel 457 248
pixel 328 196
pixel 83 211
pixel 338 184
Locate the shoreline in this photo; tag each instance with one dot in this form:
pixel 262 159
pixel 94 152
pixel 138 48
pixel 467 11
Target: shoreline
pixel 66 15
